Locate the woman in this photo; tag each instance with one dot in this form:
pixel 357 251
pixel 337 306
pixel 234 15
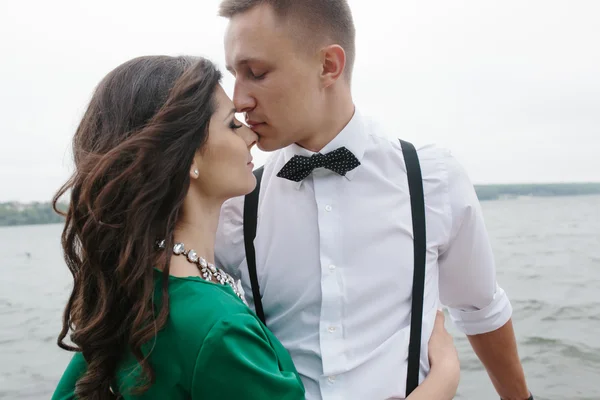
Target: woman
pixel 157 153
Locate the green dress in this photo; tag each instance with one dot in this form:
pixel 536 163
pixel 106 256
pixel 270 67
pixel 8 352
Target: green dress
pixel 212 347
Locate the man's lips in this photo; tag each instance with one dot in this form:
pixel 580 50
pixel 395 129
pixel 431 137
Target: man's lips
pixel 253 124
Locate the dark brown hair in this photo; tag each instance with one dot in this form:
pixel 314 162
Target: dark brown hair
pixel 133 151
pixel 321 20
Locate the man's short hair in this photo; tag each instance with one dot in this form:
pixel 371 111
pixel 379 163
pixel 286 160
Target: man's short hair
pixel 323 19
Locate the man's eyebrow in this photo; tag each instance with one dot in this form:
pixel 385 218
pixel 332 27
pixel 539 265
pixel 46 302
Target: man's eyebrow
pixel 243 61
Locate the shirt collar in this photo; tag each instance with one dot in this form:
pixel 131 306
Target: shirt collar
pixel 353 137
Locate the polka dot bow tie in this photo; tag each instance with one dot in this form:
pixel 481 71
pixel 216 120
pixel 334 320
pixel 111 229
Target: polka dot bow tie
pixel 340 161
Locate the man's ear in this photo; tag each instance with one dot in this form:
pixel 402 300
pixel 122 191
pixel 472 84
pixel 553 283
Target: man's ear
pixel 333 59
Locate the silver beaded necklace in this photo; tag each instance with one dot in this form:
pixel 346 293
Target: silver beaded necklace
pixel 208 271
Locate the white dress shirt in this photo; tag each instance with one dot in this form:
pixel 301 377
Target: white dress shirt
pixel 334 258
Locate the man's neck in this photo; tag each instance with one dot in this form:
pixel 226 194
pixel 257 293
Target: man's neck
pixel 337 116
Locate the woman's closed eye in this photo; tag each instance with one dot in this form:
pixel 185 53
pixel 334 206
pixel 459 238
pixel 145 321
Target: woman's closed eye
pixel 233 126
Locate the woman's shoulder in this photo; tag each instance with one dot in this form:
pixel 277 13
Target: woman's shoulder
pixel 196 306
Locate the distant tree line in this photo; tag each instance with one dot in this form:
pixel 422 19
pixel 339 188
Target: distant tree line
pixel 15 213
pixel 495 192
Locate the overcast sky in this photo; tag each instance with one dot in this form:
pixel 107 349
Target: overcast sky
pixel 511 86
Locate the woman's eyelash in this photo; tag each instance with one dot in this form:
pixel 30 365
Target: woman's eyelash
pixel 233 126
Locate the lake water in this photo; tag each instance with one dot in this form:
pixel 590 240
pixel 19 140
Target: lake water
pixel 548 257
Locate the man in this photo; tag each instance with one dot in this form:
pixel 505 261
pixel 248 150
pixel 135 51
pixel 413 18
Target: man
pixel 334 250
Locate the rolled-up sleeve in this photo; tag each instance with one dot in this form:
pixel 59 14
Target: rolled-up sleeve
pixel 468 287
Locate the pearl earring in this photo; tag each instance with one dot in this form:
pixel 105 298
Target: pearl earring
pixel 196 172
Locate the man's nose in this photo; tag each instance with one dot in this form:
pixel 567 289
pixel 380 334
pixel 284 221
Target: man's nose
pixel 243 99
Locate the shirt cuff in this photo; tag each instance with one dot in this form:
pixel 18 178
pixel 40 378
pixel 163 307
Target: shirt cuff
pixel 490 318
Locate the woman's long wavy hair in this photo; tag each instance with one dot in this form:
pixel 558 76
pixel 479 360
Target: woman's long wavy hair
pixel 133 152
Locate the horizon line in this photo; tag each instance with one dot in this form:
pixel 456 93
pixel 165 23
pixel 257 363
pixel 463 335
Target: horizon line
pixel 474 184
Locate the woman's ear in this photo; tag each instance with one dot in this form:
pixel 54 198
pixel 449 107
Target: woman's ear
pixel 194 173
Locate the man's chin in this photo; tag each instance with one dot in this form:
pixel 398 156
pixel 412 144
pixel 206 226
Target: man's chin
pixel 267 145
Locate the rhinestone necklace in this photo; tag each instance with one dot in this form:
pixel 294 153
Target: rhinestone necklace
pixel 208 271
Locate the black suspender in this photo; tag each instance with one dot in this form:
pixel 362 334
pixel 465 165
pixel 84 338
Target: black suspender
pixel 250 214
pixel 417 204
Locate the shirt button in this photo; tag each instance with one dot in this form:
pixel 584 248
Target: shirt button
pixel 331 379
pixel 331 267
pixel 331 329
pixel 328 207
